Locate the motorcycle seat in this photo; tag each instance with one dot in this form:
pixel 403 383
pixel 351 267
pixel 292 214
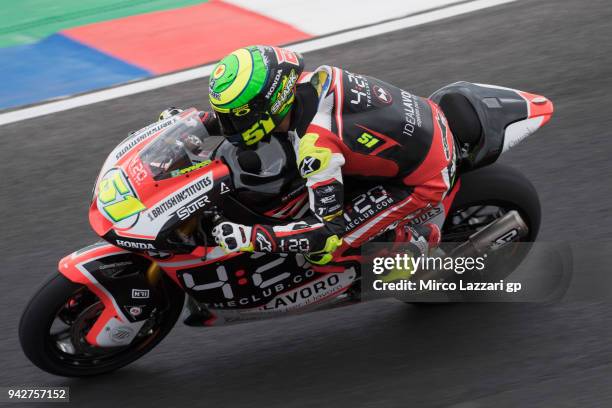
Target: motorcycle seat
pixel 462 118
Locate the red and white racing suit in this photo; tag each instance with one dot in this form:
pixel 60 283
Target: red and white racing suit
pixel 346 125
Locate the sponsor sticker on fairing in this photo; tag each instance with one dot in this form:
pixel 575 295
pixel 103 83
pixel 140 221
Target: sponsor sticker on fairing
pixel 140 293
pixel 184 212
pixel 137 137
pixel 135 311
pixel 311 293
pixel 200 186
pixel 121 334
pixel 134 245
pixel 158 214
pixel 117 200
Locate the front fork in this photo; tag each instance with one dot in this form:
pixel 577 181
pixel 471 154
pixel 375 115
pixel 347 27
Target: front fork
pixel 124 282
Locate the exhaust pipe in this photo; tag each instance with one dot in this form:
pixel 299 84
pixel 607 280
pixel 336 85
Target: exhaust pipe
pixel 509 228
pixel 494 236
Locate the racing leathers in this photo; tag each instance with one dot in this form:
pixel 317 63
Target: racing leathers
pixel 345 125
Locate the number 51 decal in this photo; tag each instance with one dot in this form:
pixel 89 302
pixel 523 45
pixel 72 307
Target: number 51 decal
pixel 117 198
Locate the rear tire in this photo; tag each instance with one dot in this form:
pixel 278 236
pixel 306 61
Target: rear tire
pixel 503 186
pixel 499 186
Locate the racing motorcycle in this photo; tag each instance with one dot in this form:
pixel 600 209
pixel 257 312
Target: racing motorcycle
pixel 161 190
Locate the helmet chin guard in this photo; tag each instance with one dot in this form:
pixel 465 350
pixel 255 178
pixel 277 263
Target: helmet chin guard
pixel 252 90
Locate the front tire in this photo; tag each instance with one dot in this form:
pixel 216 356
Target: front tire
pixel 49 304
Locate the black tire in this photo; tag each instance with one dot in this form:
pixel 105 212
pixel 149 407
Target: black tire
pixel 501 185
pixel 42 309
pixel 507 188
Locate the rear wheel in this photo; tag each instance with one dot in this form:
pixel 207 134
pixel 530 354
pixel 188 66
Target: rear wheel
pixel 54 324
pixel 486 195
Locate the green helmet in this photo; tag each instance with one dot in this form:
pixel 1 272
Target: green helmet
pixel 252 91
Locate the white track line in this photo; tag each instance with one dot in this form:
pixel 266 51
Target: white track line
pixel 204 71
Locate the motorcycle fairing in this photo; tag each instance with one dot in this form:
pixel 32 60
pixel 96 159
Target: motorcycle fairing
pixel 506 115
pixel 245 281
pixel 539 113
pixel 133 143
pixel 133 208
pixel 116 277
pixel 250 286
pixel 324 289
pixel 235 287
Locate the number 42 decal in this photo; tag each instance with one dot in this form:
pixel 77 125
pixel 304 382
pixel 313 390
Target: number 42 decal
pixel 117 198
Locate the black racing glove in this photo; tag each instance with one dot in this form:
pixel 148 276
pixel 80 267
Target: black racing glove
pixel 166 113
pixel 211 123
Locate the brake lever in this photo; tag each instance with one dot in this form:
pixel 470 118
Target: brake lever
pixel 215 215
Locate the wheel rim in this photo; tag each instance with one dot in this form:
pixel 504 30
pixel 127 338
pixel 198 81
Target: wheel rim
pixel 72 321
pixel 464 221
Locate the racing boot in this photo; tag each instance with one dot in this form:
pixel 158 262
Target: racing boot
pixel 419 239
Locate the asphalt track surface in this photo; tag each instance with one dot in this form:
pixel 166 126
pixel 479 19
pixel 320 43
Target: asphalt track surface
pixel 378 354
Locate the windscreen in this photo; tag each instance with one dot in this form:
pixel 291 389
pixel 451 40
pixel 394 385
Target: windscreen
pixel 181 148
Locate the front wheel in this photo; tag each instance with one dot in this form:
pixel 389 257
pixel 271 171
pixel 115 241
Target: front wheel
pixel 54 323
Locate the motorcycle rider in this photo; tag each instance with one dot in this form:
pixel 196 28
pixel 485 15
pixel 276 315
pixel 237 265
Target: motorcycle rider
pixel 341 125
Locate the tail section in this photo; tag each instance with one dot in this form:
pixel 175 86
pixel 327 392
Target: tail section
pixel 489 119
pixel 539 112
